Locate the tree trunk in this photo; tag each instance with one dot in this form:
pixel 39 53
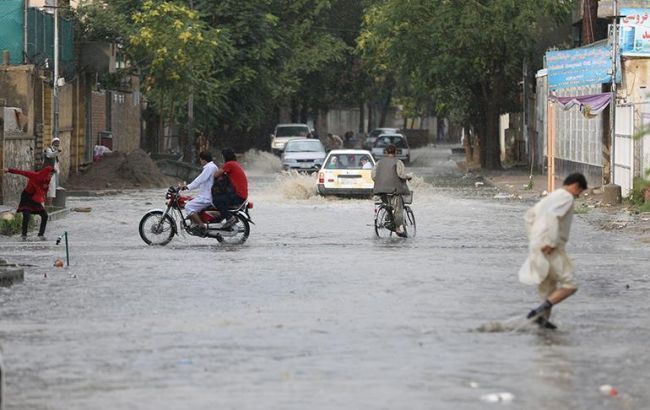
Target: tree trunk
pixel 489 139
pixel 384 108
pixel 161 123
pixel 362 109
pixel 370 118
pixel 589 17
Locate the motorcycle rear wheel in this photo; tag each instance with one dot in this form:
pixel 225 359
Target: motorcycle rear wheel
pixel 156 228
pixel 237 234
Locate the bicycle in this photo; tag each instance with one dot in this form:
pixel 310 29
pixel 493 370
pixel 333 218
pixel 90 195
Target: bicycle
pixel 384 220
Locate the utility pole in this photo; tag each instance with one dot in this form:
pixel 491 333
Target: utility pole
pixel 55 125
pixel 190 108
pixel 613 102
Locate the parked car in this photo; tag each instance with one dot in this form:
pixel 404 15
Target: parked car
pixel 303 155
pixel 372 136
pixel 399 140
pixel 347 172
pixel 286 132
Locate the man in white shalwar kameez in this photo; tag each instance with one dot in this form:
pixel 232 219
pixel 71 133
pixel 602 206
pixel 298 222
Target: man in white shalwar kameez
pixel 203 183
pixel 548 224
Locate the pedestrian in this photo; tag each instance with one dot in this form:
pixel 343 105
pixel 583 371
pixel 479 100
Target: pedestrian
pixel 390 184
pixel 51 158
pixel 548 224
pixel 334 142
pixel 33 197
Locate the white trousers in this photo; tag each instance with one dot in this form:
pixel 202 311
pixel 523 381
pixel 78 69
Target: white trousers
pixel 197 205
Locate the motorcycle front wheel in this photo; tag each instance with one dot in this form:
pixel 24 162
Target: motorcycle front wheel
pixel 237 234
pixel 156 228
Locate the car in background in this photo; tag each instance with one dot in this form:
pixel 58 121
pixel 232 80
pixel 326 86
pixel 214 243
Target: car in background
pixel 399 140
pixel 347 172
pixel 303 155
pixel 372 136
pixel 286 132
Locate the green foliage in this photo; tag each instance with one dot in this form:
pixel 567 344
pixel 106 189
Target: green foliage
pixel 464 57
pixel 13 226
pixel 637 194
pixel 175 50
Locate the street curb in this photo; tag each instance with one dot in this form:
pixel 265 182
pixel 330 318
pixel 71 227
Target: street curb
pixel 58 214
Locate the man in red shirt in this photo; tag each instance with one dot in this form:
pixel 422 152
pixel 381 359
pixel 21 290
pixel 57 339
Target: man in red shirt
pixel 234 193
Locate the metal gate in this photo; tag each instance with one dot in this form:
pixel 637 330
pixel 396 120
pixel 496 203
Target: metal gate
pixel 624 148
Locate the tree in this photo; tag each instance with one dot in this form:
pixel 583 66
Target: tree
pixel 175 51
pixel 467 55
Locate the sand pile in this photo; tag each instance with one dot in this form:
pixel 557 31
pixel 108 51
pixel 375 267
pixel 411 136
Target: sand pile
pixel 117 170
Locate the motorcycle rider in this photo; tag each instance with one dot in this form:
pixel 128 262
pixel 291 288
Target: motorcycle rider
pixel 204 183
pixel 238 193
pixel 390 178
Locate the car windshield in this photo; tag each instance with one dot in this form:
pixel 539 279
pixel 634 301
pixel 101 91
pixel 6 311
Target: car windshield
pixel 386 140
pixel 378 132
pixel 350 161
pixel 304 146
pixel 292 131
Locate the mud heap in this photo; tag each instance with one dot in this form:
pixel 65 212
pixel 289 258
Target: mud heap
pixel 117 170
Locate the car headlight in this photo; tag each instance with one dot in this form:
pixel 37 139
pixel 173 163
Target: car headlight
pixel 278 144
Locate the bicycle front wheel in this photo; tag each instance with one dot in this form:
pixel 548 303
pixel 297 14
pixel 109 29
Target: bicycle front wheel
pixel 409 222
pixel 384 222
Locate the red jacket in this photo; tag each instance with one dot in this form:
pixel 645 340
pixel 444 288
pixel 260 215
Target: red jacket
pixel 38 182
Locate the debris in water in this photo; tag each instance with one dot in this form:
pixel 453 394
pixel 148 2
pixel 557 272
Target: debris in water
pixel 82 209
pixel 478 184
pixel 58 263
pixel 503 397
pixel 608 390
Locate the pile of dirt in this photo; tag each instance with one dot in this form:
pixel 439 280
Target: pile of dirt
pixel 117 170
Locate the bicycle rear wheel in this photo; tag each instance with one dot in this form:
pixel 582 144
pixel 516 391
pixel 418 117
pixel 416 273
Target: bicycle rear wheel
pixel 384 224
pixel 409 222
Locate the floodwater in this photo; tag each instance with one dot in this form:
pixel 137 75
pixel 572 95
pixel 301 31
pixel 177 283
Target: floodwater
pixel 314 312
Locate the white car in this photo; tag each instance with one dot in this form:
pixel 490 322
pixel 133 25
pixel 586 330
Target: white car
pixel 347 172
pixel 372 136
pixel 303 155
pixel 399 140
pixel 286 132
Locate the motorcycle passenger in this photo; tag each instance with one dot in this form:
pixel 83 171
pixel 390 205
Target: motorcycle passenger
pixel 236 193
pixel 390 178
pixel 204 183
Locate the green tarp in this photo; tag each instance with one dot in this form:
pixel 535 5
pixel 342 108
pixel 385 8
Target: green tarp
pixel 11 29
pixel 40 34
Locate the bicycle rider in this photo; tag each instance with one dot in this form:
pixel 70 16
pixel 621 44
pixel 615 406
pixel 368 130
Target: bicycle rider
pixel 390 184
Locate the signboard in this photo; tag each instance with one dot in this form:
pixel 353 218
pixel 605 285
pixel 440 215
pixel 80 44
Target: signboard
pixel 635 32
pixel 579 67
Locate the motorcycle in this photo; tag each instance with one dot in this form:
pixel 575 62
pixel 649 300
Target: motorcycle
pixel 158 227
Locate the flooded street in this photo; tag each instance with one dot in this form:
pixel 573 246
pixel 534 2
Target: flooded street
pixel 314 312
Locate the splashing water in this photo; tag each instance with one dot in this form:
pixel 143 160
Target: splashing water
pixel 294 185
pixel 261 162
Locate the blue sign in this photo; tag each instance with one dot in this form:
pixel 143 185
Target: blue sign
pixel 579 67
pixel 635 32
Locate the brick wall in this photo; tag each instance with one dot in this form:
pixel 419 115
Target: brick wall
pixel 125 121
pixel 98 115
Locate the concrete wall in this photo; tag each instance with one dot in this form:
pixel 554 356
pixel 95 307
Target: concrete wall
pixel 17 90
pixel 635 90
pixel 17 152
